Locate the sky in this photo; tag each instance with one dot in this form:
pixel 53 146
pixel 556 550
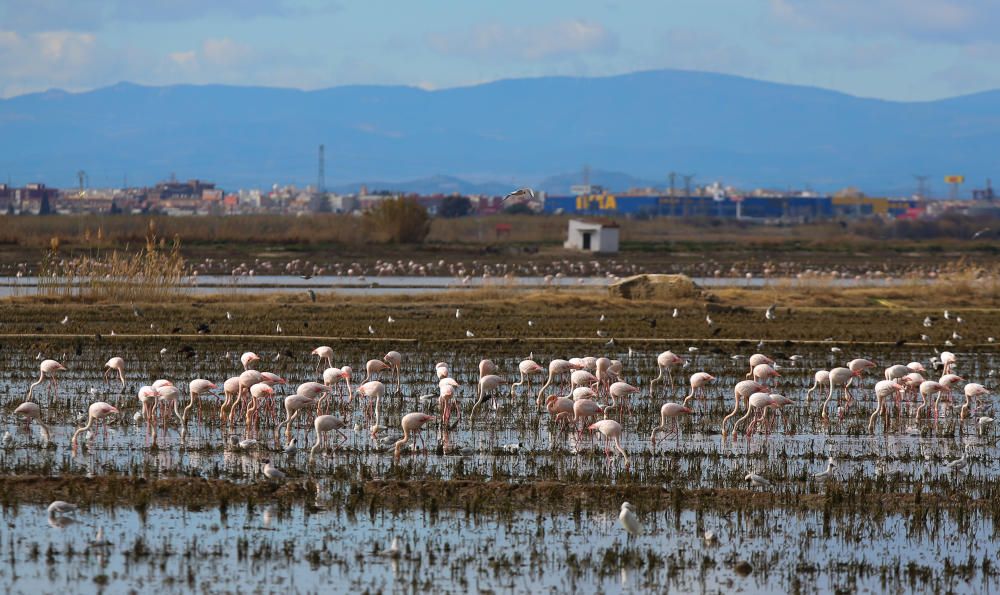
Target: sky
pixel 909 50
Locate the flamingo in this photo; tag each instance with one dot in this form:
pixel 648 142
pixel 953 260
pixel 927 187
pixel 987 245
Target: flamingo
pixel 50 369
pixel 761 373
pixel 757 404
pixel 884 389
pixel 487 384
pixel 230 388
pixel 664 362
pixel 332 376
pixel 325 424
pixel 117 364
pixel 527 368
pixel 294 405
pixel 411 423
pixel 741 392
pixel 583 410
pixel 97 411
pixel 698 382
pixel 841 378
pixel 32 412
pixel 248 359
pixel 927 388
pixel 323 352
pixel 197 388
pixel 556 367
pixel 447 400
pixel 260 393
pixel 669 411
pixel 896 372
pixel 395 361
pixel 949 360
pixel 374 391
pixel 821 378
pixel 373 367
pixel 621 390
pixel 581 378
pixel 972 392
pixel 756 360
pixel 612 433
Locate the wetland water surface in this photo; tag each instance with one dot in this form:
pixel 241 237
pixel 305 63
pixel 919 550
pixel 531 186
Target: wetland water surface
pixel 802 533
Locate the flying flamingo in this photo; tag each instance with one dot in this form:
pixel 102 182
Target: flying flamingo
pixel 527 368
pixel 97 411
pixel 821 378
pixel 698 382
pixel 411 423
pixel 669 411
pixel 612 433
pixel 32 412
pixel 116 364
pixel 325 424
pixel 665 361
pixel 50 369
pixel 323 352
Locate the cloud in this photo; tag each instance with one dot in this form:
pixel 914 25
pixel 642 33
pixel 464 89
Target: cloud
pixel 42 60
pixel 952 21
pixel 92 15
pixel 697 50
pixel 556 40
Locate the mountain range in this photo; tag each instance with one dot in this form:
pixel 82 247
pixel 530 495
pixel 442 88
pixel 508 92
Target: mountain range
pixel 631 129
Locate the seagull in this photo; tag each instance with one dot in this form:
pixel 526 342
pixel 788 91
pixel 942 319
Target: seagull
pixel 458 312
pixel 836 349
pixel 272 472
pixel 391 320
pixel 959 319
pixel 278 328
pixel 927 322
pixel 925 337
pixel 520 192
pixel 229 316
pixel 512 448
pixel 629 521
pixel 247 443
pixel 708 319
pixel 980 232
pixel 757 480
pixel 947 315
pixel 65 320
pixel 469 334
pixel 393 551
pixel 769 313
pixel 531 323
pixel 956 336
pixel 601 333
pixel 99 540
pixel 711 538
pixel 163 351
pixel 290 448
pixel 371 331
pixel 602 318
pixel 676 313
pixel 61 507
pixel 959 464
pixel 829 471
pixel 982 422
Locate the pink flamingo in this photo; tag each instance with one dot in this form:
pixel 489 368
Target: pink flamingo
pixel 621 390
pixel 294 405
pixel 527 368
pixel 248 359
pixel 32 412
pixel 260 393
pixel 948 380
pixel 972 392
pixel 665 361
pixel 741 392
pixel 230 389
pixel 927 388
pixel 583 410
pixel 196 389
pixel 756 360
pixel 373 367
pixel 97 411
pixel 324 424
pixel 556 367
pixel 323 352
pixel 581 378
pixel 487 384
pixel 761 373
pixel 841 378
pixel 949 360
pixel 116 364
pixel 698 382
pixel 884 390
pixel 447 401
pixel 411 423
pixel 395 361
pixel 821 378
pixel 669 411
pixel 612 433
pixel 49 369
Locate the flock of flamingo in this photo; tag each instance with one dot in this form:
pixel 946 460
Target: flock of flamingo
pixel 591 392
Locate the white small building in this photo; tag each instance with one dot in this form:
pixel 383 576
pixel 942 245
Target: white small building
pixel 599 236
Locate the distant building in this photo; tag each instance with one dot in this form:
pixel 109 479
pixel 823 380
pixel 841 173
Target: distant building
pixel 599 236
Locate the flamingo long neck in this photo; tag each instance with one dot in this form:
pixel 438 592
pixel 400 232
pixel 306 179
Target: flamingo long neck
pixel 399 443
pixel 90 422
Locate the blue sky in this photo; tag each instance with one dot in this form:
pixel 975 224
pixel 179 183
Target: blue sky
pixel 893 49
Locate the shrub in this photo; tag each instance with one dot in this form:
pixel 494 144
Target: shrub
pixel 397 221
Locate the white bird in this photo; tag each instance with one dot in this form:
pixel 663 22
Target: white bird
pixel 629 521
pixel 371 331
pixel 520 193
pixel 757 480
pixel 163 351
pixel 982 422
pixel 393 551
pixel 769 313
pixel 531 323
pixel 980 232
pixel 290 448
pixel 601 333
pixel 65 320
pixel 925 338
pixel 711 538
pixel 676 313
pixel 278 328
pixel 512 448
pixel 61 507
pixel 469 334
pixel 391 320
pixel 927 322
pixel 947 315
pixel 836 349
pixel 830 465
pixel 959 464
pixel 272 472
pixel 229 316
pixel 708 319
pixel 247 443
pixel 458 312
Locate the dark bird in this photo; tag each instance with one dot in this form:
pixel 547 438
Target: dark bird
pixel 312 295
pixel 306 277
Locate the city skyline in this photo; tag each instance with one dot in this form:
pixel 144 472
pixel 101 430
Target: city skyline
pixel 892 49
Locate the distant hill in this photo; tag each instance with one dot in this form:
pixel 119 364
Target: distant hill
pixel 503 134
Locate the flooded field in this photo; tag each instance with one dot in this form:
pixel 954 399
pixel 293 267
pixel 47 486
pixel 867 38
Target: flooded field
pixel 506 499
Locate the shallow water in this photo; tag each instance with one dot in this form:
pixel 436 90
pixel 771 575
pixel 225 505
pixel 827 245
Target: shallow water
pixel 863 549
